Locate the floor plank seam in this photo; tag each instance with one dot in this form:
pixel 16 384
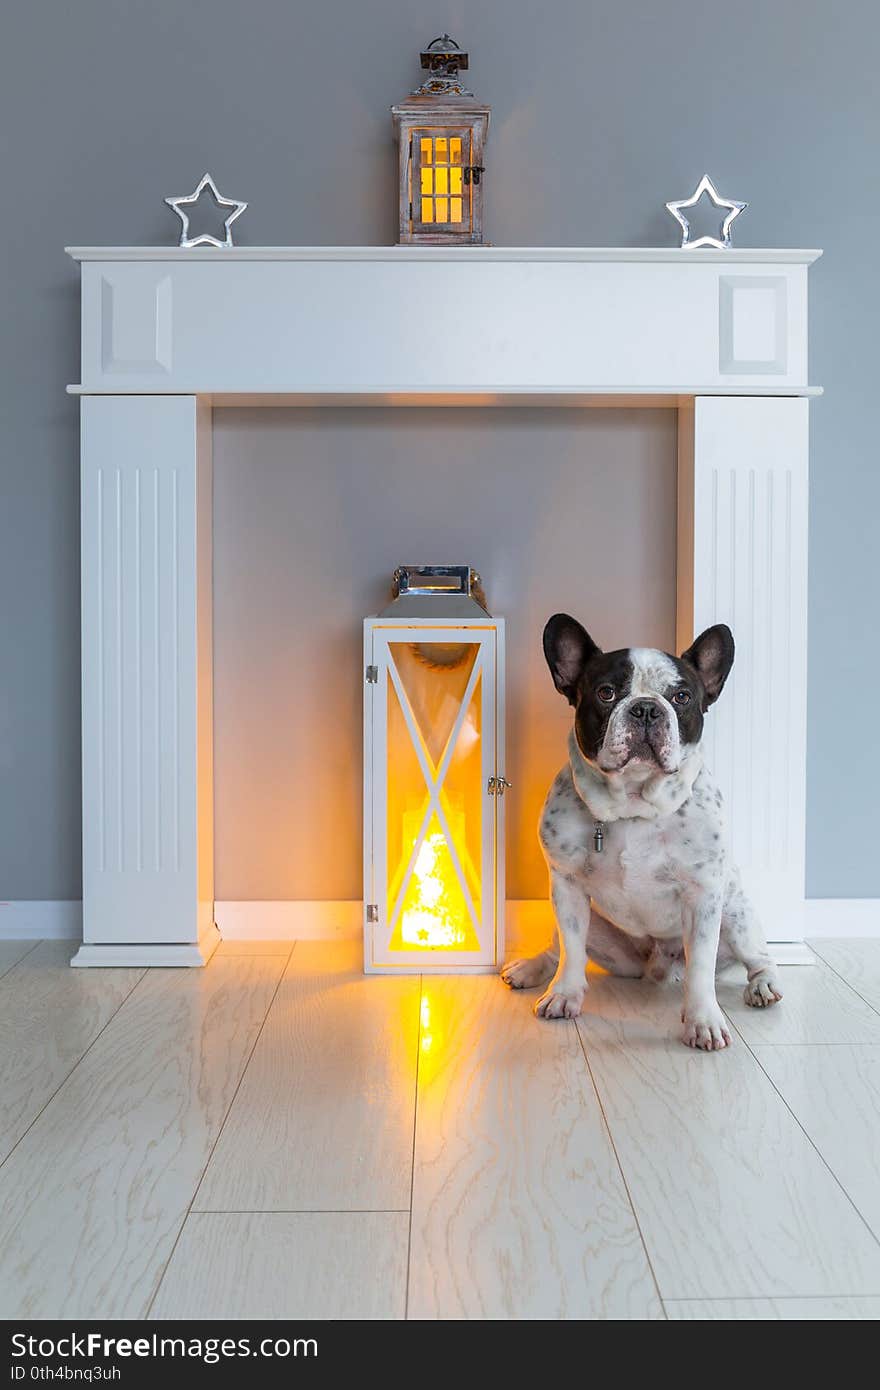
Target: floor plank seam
pixel 301 1211
pixel 412 1175
pixel 629 1196
pixel 848 983
pixel 774 1298
pixel 770 1042
pixel 868 1227
pixel 16 963
pixel 220 1129
pixel 63 1082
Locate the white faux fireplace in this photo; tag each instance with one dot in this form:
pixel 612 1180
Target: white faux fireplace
pixel 720 337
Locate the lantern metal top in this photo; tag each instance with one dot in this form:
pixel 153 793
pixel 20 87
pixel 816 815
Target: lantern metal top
pixel 436 591
pixel 444 55
pixel 443 59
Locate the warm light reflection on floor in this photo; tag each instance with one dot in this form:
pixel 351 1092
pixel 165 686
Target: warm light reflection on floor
pixel 425 1019
pixel 433 1033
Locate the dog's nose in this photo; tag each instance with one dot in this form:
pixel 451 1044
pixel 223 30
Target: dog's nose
pixel 645 711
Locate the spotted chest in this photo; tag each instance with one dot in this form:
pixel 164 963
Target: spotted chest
pixel 649 871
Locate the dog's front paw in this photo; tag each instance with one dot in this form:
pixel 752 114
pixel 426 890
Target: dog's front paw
pixel 559 1001
pixel 762 990
pixel 705 1028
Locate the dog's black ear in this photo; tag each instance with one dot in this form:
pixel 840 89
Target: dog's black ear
pixel 712 655
pixel 568 647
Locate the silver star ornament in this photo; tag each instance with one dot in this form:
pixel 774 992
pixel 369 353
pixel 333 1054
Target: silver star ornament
pixel 179 205
pixel 733 211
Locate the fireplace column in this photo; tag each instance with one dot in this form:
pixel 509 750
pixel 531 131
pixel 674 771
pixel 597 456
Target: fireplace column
pixel 742 560
pixel 146 682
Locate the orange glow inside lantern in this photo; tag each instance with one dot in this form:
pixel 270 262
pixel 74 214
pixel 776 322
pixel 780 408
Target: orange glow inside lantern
pixel 435 802
pixel 434 912
pixel 441 196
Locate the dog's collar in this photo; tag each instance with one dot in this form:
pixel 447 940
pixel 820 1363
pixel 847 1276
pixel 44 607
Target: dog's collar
pixel 609 799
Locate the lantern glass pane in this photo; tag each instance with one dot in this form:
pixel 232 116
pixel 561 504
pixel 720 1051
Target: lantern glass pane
pixel 440 200
pixel 433 914
pixel 434 677
pixel 462 795
pixel 406 791
pixel 435 803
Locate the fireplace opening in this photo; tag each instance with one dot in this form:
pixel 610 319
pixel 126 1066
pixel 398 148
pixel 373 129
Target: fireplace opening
pixel 559 509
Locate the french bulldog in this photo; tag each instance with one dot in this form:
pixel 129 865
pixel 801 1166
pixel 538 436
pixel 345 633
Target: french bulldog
pixel 641 878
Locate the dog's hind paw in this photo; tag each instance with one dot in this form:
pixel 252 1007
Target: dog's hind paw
pixel 762 990
pixel 528 972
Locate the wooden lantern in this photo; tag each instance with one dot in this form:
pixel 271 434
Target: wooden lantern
pixel 433 779
pixel 441 130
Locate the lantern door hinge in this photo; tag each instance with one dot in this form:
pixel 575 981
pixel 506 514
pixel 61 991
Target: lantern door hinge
pixel 372 912
pixel 372 675
pixel 497 786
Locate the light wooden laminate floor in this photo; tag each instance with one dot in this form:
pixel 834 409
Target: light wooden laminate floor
pixel 278 1136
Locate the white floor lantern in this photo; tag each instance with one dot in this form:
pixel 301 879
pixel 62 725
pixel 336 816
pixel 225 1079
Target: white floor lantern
pixel 434 779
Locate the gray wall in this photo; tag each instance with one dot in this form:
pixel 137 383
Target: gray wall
pixel 601 113
pixel 312 511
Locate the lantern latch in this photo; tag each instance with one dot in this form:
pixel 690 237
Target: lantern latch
pixel 497 786
pixel 372 912
pixel 473 172
pixel 372 675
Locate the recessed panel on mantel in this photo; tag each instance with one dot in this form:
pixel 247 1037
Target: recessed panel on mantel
pixel 136 328
pixel 753 325
pixel 370 320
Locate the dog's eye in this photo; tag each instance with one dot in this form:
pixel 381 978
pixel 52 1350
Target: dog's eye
pixel 681 697
pixel 606 693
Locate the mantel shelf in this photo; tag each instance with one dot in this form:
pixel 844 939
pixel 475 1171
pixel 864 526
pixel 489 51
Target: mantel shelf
pixel 671 255
pixel 443 324
pixel 646 397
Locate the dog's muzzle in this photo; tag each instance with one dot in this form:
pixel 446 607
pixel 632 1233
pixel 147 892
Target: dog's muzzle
pixel 645 713
pixel 643 725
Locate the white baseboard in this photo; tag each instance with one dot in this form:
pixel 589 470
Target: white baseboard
pixel 792 953
pixel 282 921
pixel 526 919
pixel 842 917
pixel 50 920
pixel 528 922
